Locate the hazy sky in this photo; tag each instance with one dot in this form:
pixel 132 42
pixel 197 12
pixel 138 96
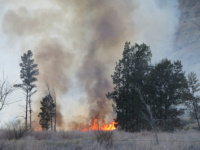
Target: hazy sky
pixel 76 45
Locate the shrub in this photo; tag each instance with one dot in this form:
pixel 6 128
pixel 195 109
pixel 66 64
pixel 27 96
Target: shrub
pixel 2 144
pixel 16 130
pixel 104 137
pixel 43 135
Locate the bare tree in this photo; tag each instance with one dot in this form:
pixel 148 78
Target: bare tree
pixel 193 103
pixel 55 110
pixel 149 116
pixel 2 144
pixel 5 90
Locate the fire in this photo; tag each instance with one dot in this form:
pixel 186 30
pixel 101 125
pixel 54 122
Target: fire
pixel 35 129
pixel 96 125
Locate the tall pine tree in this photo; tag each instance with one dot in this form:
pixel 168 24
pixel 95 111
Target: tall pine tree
pixel 28 75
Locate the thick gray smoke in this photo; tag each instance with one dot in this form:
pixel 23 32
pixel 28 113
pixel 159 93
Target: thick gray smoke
pixel 82 40
pixel 109 28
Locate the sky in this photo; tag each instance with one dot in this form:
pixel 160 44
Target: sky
pixel 76 45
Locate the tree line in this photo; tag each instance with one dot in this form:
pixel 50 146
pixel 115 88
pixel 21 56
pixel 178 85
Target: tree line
pixel 146 94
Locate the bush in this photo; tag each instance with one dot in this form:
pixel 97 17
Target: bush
pixel 2 144
pixel 15 130
pixel 104 137
pixel 43 135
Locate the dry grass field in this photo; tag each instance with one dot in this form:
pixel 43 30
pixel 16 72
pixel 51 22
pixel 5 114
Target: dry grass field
pixel 99 140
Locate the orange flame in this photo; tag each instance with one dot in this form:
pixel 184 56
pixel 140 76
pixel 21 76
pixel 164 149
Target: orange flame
pixel 95 125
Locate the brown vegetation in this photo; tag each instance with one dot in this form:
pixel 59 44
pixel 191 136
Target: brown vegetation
pixel 118 140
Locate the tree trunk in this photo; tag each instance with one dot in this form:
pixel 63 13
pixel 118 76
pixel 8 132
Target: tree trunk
pixel 155 131
pixel 55 117
pixel 198 123
pixel 195 112
pixel 149 110
pixel 30 111
pixel 26 117
pixel 51 122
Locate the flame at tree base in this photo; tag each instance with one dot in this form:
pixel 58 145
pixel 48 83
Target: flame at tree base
pixel 96 125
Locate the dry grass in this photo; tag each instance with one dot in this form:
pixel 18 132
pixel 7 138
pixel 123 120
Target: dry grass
pixel 15 130
pixel 77 140
pixel 104 137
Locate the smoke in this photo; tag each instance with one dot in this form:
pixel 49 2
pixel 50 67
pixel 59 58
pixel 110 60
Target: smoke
pixel 54 63
pixel 188 36
pixel 108 34
pixel 50 53
pixel 157 22
pixel 77 43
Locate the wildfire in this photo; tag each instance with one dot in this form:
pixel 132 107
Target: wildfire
pixel 96 125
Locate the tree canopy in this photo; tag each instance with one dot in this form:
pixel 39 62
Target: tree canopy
pixel 162 88
pixel 47 112
pixel 165 87
pixel 130 71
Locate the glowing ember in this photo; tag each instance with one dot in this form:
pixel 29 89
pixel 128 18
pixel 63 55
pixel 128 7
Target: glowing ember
pixel 96 125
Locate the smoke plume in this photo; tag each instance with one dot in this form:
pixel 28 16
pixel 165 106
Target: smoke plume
pixel 77 43
pixel 101 19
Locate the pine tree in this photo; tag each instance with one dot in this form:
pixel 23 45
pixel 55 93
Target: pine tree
pixel 165 87
pixel 28 75
pixel 193 102
pixel 47 112
pixel 130 71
